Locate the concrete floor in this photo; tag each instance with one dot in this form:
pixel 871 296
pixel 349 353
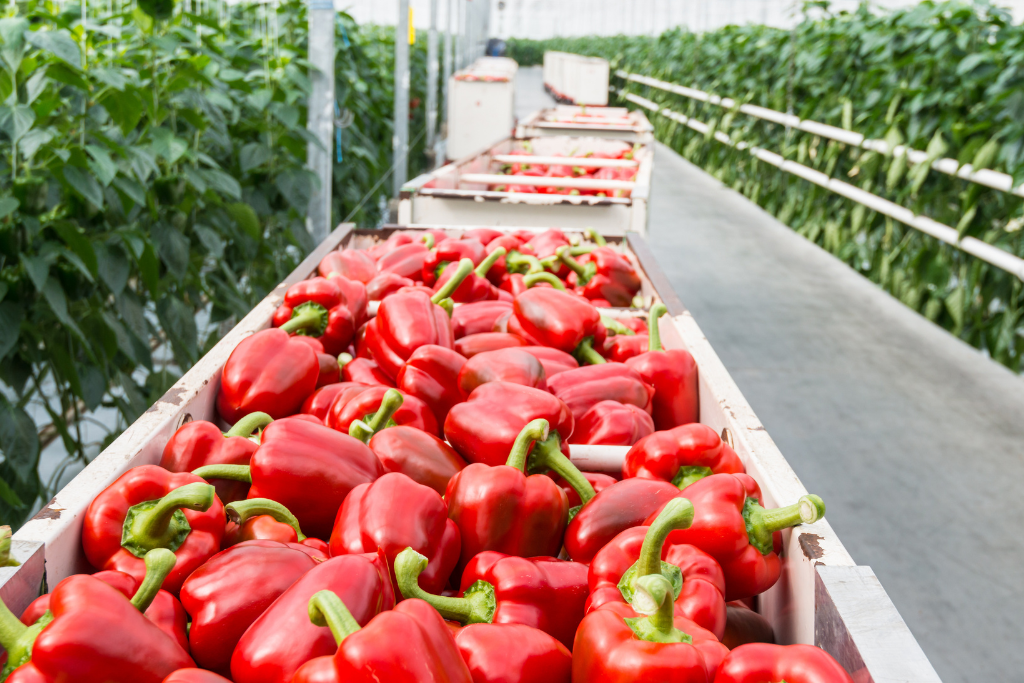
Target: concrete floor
pixel 913 438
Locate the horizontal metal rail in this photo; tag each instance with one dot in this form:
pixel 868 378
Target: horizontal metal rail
pixel 582 162
pixel 986 177
pixel 543 181
pixel 971 245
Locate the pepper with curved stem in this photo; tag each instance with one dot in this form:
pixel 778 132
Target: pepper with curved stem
pixel 595 237
pixel 476 606
pixel 365 429
pixel 762 523
pixel 681 455
pixel 252 422
pixel 677 514
pixel 586 354
pixel 5 548
pixel 614 326
pixel 327 609
pixel 488 263
pixel 244 510
pixel 159 563
pixel 428 240
pixel 527 264
pixel 546 454
pixel 544 276
pixel 307 318
pixel 465 267
pixel 584 271
pixel 160 523
pixel 653 597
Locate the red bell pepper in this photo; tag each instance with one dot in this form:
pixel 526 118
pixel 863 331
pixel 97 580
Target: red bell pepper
pixel 146 508
pixel 448 251
pixel 351 263
pixel 405 261
pixel 199 443
pixel 267 372
pixel 282 639
pixel 477 317
pixel 422 457
pixel 559 320
pixel 483 235
pixel 195 676
pixel 547 243
pixel 618 644
pixel 731 526
pixel 228 593
pixel 504 365
pixel 553 360
pixel 319 402
pixel 476 286
pixel 541 592
pixel 617 508
pixel 94 634
pixel 758 662
pixel 330 370
pixel 612 424
pixel 319 308
pixel 681 456
pixel 372 405
pixel 306 467
pixel 395 513
pixel 536 656
pixel 599 482
pixel 499 271
pixel 432 375
pixel 698 584
pixel 482 342
pixel 585 387
pixel 621 347
pixel 603 274
pixel 501 508
pixel 364 371
pixel 484 427
pixel 409 644
pixel 674 377
pixel 743 625
pixel 262 519
pixel 386 284
pixel 408 320
pixel 395 240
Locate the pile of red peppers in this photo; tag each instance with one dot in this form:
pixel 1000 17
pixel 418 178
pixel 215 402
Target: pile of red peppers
pixel 388 494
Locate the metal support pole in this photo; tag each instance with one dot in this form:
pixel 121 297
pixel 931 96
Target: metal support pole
pixel 449 53
pixel 320 121
pixel 432 76
pixel 400 142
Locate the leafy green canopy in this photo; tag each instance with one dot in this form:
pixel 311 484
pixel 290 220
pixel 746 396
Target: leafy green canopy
pixel 945 77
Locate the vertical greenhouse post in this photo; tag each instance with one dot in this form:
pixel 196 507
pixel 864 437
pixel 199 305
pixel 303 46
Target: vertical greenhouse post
pixel 449 55
pixel 321 115
pixel 400 142
pixel 432 77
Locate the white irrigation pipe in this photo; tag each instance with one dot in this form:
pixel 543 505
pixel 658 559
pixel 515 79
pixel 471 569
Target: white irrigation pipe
pixel 986 177
pixel 582 162
pixel 983 250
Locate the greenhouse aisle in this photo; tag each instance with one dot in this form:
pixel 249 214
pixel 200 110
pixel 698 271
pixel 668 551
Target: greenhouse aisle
pixel 912 437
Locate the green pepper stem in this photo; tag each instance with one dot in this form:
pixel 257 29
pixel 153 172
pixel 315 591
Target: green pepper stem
pixel 547 455
pixel 463 270
pixel 5 548
pixel 653 331
pixel 152 527
pixel 327 609
pixel 586 354
pixel 309 317
pixel 475 607
pixel 159 563
pixel 677 514
pixel 249 424
pixel 534 431
pixel 761 523
pixel 371 424
pixel 581 249
pixel 230 472
pixel 654 597
pixel 583 272
pixel 544 276
pixel 242 511
pixel 516 260
pixel 11 629
pixel 427 239
pixel 448 305
pixel 344 359
pixel 596 237
pixel 614 326
pixel 488 262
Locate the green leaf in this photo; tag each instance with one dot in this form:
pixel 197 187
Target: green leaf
pixel 11 317
pixel 245 218
pixel 254 155
pixel 18 440
pixel 66 368
pixel 971 62
pixel 211 240
pixel 8 205
pixel 296 186
pixel 111 77
pixel 113 266
pixel 100 163
pixel 37 268
pixel 12 41
pixel 125 108
pixel 142 20
pixel 230 75
pixel 222 182
pixel 17 120
pixel 149 268
pixel 94 386
pixel 85 185
pixel 58 42
pixel 78 243
pixel 173 248
pixel 167 145
pixel 179 324
pixel 54 295
pixel 33 140
pixel 8 495
pixel 131 189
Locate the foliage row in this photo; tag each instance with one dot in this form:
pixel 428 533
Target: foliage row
pixel 945 77
pixel 151 180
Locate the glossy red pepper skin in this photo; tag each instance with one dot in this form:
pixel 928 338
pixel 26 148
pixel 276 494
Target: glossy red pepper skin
pixel 547 243
pixel 228 593
pixel 615 280
pixel 165 611
pixel 319 290
pixel 449 251
pixel 483 235
pixel 541 592
pixel 619 507
pixel 365 371
pixel 264 528
pixel 673 454
pixel 431 374
pixel 342 301
pixel 422 457
pixel 346 409
pixel 504 365
pixel 477 317
pixel 499 270
pixel 607 650
pixel 195 676
pixel 621 348
pixel 484 427
pixel 405 322
pixel 536 656
pixel 756 662
pixel 556 319
pixel 337 334
pixel 702 598
pixel 200 443
pixel 612 424
pixel 405 261
pixel 395 240
pixel 267 372
pixel 673 374
pixel 597 480
pixel 105 517
pixel 515 284
pixel 351 263
pixel 473 344
pixel 583 388
pixel 386 284
pixel 395 513
pixel 319 402
pixel 354 296
pixel 282 639
pixel 310 469
pixel 553 360
pixel 425 651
